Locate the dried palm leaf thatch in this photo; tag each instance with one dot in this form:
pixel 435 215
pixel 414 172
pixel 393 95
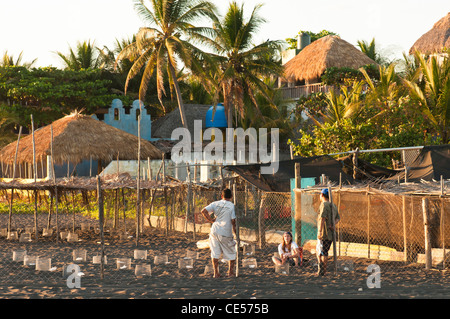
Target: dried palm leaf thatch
pixel 326 52
pixel 78 137
pixel 435 40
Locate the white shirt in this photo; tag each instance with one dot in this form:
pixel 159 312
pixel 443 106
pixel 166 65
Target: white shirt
pixel 293 246
pixel 224 212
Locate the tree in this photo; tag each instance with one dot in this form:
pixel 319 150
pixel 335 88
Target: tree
pixel 8 60
pixel 85 56
pixel 158 46
pixel 431 92
pixel 313 36
pixel 239 66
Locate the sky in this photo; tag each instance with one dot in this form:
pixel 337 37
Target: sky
pixel 40 28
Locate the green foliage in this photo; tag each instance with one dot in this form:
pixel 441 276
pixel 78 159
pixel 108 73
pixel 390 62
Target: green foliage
pixel 292 42
pixel 337 76
pixel 49 93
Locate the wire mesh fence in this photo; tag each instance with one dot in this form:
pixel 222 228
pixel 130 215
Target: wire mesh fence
pixel 377 227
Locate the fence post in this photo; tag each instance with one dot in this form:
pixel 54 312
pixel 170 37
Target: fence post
pixel 238 240
pixel 298 221
pixel 100 220
pixel 368 222
pixel 405 242
pixel 427 234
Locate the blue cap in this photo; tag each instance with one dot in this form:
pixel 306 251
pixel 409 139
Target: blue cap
pixel 325 191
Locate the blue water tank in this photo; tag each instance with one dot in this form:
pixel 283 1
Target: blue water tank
pixel 220 119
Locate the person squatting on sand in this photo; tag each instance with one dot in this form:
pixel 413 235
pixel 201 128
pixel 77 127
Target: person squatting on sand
pixel 221 239
pixel 325 229
pixel 289 252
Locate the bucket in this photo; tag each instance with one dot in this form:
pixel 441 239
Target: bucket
pixel 29 260
pixel 97 259
pixel 12 235
pixel 249 263
pixel 185 263
pixel 143 270
pixel 25 238
pixel 19 255
pixel 282 269
pixel 140 254
pixel 79 255
pixel 161 259
pixel 123 263
pixel 44 264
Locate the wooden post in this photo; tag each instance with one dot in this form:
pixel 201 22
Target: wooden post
pixel 100 220
pixel 238 239
pixel 368 223
pixel 333 224
pixel 56 214
pixel 188 206
pixel 298 217
pixel 261 230
pixel 443 223
pixel 13 176
pixel 405 241
pixel 36 232
pixel 138 187
pixel 427 233
pixel 167 210
pixel 355 163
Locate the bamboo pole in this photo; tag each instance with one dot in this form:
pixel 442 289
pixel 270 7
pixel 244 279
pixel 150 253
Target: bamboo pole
pixel 238 239
pixel 138 190
pixel 427 233
pixel 36 233
pixel 333 224
pixel 100 219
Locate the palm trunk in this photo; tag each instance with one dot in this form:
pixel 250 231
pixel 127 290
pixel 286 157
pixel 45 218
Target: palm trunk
pixel 179 98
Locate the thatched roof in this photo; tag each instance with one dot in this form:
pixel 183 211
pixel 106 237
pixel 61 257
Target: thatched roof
pixel 436 39
pixel 78 137
pixel 326 52
pixel 164 126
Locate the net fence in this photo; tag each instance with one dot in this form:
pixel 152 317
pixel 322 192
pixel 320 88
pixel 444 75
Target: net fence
pixel 164 234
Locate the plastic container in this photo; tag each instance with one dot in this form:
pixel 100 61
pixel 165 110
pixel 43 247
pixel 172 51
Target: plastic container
pixel 29 260
pixel 161 259
pixel 192 254
pixel 19 255
pixel 249 250
pixel 282 269
pixel 47 232
pixel 97 259
pixel 13 235
pixel 249 263
pixel 143 270
pixel 140 254
pixel 186 263
pixel 72 237
pixel 25 238
pixel 79 255
pixel 123 263
pixel 44 264
pixel 63 235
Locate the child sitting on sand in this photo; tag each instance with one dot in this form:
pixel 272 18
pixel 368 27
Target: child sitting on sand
pixel 289 252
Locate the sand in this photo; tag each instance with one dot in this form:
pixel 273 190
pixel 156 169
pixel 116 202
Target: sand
pixel 169 282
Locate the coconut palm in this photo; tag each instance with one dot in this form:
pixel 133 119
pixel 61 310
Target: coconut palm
pixel 8 60
pixel 85 56
pixel 431 92
pixel 169 37
pixel 239 65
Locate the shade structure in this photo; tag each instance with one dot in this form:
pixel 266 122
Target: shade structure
pixel 315 58
pixel 78 137
pixel 435 40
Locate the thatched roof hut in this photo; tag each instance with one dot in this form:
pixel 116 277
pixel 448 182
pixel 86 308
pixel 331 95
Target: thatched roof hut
pixel 326 52
pixel 78 137
pixel 435 40
pixel 164 126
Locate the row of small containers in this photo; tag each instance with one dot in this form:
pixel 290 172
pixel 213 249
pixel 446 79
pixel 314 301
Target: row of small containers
pixel 80 256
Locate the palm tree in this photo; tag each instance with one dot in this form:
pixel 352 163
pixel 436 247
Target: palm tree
pixel 431 92
pixel 239 65
pixel 85 56
pixel 8 60
pixel 158 46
